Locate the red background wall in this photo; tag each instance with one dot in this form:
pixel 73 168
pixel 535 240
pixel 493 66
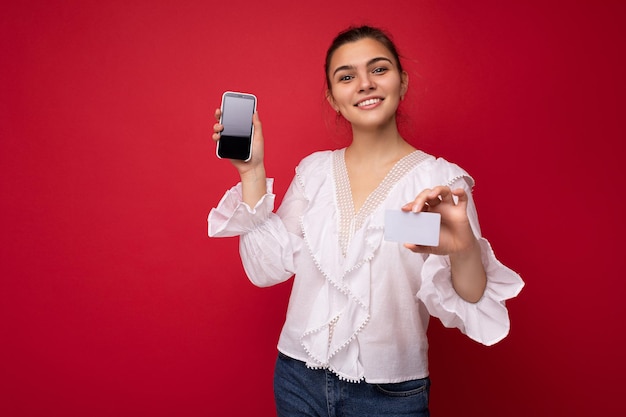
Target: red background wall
pixel 115 302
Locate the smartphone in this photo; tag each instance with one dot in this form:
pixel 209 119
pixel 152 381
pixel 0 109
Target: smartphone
pixel 236 138
pixel 408 227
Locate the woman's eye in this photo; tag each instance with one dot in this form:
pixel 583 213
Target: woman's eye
pixel 346 78
pixel 379 70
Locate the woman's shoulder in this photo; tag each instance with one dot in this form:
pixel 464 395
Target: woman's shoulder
pixel 314 174
pixel 442 171
pixel 315 161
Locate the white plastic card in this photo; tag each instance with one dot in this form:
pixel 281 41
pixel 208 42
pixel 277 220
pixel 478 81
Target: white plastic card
pixel 408 227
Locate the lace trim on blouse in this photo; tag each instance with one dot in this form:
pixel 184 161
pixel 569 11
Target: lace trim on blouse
pixel 349 221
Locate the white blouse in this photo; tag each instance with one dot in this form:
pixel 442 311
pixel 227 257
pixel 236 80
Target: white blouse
pixel 360 305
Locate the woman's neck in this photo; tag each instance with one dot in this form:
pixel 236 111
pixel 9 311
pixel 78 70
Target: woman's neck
pixel 380 145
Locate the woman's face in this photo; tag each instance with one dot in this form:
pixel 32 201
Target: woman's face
pixel 365 84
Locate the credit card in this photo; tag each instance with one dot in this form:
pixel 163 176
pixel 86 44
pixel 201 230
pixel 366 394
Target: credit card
pixel 408 227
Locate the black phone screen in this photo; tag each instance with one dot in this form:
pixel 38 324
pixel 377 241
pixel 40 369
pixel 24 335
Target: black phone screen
pixel 236 138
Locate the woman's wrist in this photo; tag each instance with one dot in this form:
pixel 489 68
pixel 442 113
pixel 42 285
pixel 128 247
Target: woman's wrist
pixel 254 185
pixel 471 252
pixel 253 175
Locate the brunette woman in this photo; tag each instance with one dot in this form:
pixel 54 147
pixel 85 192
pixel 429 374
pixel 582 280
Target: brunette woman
pixel 354 340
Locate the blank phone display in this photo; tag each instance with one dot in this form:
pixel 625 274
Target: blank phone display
pixel 236 138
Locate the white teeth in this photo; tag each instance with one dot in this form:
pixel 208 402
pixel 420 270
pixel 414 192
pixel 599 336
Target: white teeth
pixel 368 102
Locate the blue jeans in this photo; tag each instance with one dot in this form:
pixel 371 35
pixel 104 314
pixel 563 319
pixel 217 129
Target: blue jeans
pixel 300 391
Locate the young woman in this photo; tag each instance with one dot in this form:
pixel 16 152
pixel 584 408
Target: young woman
pixel 354 340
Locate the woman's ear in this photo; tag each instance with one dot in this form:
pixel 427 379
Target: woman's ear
pixel 331 100
pixel 404 85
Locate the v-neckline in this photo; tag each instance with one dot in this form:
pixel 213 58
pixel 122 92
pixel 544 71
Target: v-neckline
pixel 351 221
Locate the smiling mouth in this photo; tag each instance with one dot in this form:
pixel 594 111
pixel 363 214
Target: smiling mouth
pixel 369 102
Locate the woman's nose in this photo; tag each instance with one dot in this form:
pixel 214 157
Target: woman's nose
pixel 367 83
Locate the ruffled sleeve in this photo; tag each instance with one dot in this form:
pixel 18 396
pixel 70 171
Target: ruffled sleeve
pixel 486 321
pixel 233 217
pixel 264 245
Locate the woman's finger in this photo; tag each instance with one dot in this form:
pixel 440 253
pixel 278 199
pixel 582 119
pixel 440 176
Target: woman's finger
pixel 419 204
pixel 217 129
pixel 461 195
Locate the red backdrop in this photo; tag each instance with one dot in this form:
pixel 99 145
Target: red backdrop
pixel 115 302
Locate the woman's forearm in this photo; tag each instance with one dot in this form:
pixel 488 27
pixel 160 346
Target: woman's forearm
pixel 468 274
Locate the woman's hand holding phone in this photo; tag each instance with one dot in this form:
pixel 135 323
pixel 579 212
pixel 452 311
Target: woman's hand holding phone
pixel 257 143
pixel 252 172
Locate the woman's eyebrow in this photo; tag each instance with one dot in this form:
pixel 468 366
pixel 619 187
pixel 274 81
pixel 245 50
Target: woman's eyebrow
pixel 370 62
